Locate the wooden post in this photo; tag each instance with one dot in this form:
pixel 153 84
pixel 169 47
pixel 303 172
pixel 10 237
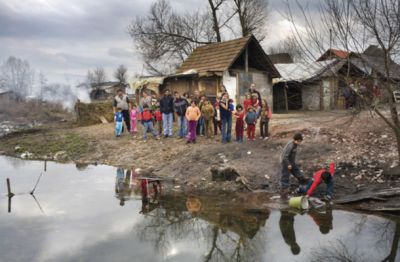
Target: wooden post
pixel 246 60
pixel 10 194
pixel 45 165
pixel 9 204
pixel 286 98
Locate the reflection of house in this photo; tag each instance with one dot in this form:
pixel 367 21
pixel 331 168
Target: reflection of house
pixel 234 64
pixel 106 90
pixel 319 85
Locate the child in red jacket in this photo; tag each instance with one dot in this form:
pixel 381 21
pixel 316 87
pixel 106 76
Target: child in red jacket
pixel 147 121
pixel 239 128
pixel 320 176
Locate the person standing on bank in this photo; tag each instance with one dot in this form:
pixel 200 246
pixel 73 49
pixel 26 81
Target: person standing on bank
pixel 122 101
pixel 226 118
pixel 265 117
pixel 180 106
pixel 288 163
pixel 167 110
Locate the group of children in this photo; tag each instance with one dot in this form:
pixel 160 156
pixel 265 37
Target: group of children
pixel 203 117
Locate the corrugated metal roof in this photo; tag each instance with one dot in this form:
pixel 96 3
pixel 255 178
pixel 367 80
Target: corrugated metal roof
pixel 306 71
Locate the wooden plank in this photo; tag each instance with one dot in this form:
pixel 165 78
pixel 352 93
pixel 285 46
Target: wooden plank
pixel 370 195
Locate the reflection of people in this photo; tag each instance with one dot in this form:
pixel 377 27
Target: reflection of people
pixel 286 225
pixel 148 205
pixel 323 220
pixel 320 176
pixel 193 204
pixel 122 188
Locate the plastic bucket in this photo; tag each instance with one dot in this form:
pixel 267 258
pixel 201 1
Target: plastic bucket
pixel 298 202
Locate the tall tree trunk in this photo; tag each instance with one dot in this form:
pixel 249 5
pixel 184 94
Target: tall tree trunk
pixel 215 19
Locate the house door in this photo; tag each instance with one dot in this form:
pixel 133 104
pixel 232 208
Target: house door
pixel 326 95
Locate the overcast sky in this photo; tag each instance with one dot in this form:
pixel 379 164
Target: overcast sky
pixel 64 39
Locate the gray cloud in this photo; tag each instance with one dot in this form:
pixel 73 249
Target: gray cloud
pixel 66 38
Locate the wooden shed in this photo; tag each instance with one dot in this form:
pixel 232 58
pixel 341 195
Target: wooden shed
pixel 235 64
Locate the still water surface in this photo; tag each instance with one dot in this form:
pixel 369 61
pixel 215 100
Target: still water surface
pixel 102 213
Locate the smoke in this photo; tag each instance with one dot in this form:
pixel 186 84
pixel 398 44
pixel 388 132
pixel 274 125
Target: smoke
pixel 65 94
pixel 18 76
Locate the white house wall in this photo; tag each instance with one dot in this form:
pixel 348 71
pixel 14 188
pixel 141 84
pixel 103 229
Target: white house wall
pixel 230 83
pixel 264 85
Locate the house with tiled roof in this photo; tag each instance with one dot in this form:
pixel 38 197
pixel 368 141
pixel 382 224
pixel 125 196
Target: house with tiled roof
pixel 234 64
pixel 333 54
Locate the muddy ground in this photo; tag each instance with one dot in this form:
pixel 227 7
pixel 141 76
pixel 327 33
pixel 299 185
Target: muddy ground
pixel 361 145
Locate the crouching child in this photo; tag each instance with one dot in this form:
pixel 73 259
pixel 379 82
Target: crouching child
pixel 147 121
pixel 320 176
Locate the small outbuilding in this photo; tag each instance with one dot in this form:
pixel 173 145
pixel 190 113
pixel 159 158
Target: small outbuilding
pixel 235 64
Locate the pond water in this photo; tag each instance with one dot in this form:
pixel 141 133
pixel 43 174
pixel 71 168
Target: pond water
pixel 101 213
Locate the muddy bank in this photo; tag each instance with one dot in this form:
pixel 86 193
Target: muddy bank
pixel 362 150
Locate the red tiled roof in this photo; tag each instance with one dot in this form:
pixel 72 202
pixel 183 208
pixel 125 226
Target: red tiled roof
pixel 333 53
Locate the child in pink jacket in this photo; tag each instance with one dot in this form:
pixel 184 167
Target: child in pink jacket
pixel 134 115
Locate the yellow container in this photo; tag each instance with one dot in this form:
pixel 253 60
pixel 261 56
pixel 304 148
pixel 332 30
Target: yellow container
pixel 299 202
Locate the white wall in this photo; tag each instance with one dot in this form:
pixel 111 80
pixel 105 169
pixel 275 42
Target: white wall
pixel 230 83
pixel 263 85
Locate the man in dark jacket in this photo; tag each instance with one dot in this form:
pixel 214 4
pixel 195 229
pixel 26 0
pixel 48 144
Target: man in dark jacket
pixel 180 106
pixel 167 110
pixel 288 163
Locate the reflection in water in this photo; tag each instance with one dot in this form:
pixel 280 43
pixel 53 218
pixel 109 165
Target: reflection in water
pixel 122 185
pixel 323 219
pixel 163 227
pixel 230 231
pixel 286 224
pixel 151 192
pixel 128 184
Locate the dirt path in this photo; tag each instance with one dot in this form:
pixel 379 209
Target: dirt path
pixel 361 146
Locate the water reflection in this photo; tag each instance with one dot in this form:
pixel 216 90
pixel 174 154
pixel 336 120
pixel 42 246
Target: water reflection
pixel 323 218
pixel 286 224
pixel 128 185
pixel 84 221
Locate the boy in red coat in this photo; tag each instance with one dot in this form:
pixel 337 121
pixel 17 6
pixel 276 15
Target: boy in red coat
pixel 320 176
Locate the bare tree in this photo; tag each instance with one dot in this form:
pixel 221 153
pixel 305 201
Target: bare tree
pixel 99 75
pixel 121 74
pixel 90 78
pixel 42 83
pixel 351 25
pixel 288 45
pixel 381 19
pixel 94 79
pixel 166 38
pixel 252 15
pixel 17 75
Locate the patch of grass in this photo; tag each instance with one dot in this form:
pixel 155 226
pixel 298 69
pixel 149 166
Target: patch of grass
pixel 47 144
